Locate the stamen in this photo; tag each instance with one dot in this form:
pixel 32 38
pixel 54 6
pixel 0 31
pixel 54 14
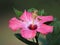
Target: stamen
pixel 39 19
pixel 34 15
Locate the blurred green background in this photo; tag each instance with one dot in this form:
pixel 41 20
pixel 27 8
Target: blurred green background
pixel 51 7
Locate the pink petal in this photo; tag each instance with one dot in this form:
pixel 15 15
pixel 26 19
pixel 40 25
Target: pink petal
pixel 45 29
pixel 14 24
pixel 28 34
pixel 44 19
pixel 26 16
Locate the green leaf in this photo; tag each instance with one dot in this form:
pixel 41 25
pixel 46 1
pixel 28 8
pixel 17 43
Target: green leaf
pixel 54 38
pixel 17 12
pixel 24 40
pixel 42 40
pixel 41 12
pixel 31 9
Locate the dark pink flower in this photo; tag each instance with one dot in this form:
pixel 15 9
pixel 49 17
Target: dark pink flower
pixel 29 26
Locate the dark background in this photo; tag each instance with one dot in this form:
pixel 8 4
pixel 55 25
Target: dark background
pixel 52 7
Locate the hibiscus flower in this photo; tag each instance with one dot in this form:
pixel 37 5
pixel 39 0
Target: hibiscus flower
pixel 30 23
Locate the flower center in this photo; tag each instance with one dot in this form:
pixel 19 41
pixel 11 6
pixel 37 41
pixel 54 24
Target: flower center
pixel 32 27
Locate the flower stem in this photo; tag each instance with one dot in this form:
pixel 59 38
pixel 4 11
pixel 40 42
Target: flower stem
pixel 37 38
